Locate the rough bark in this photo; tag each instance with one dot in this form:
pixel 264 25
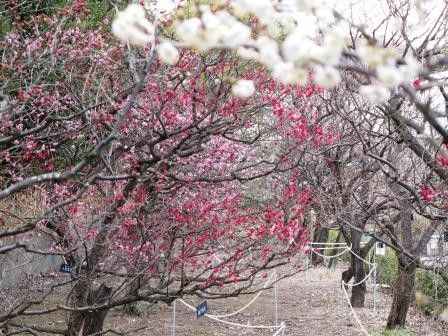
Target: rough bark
pixel 84 323
pixel 359 291
pixel 133 288
pixel 404 286
pixel 333 261
pixel 320 236
pixel 356 271
pixel 403 294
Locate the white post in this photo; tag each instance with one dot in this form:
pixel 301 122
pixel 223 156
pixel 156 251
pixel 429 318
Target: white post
pixel 374 284
pixel 435 281
pixel 275 299
pixel 174 319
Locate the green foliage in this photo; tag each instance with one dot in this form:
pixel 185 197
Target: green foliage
pixel 332 236
pixel 392 332
pixel 387 268
pixel 433 286
pixel 430 284
pixel 99 10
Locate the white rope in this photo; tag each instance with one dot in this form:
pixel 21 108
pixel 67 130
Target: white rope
pixel 363 280
pixel 250 302
pixel 327 248
pixel 282 328
pixel 353 311
pixel 232 323
pixel 356 284
pixel 333 256
pixel 360 258
pixel 317 243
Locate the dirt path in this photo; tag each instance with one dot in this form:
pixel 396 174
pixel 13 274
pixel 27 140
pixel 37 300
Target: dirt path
pixel 310 304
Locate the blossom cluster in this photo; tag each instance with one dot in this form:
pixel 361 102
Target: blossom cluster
pixel 291 38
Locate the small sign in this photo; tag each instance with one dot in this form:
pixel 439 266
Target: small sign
pixel 201 309
pixel 380 249
pixel 65 268
pixel 445 236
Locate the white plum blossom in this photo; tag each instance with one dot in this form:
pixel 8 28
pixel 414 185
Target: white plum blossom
pixel 376 94
pixel 411 69
pixel 261 8
pixel 131 26
pixel 389 75
pixel 243 88
pixel 189 31
pixel 268 51
pixel 287 73
pixel 248 52
pixel 163 9
pixel 291 38
pixel 374 56
pixel 213 30
pixel 326 76
pixel 168 53
pixel 444 315
pixel 297 49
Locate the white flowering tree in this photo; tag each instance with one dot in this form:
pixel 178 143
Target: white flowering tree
pixel 155 126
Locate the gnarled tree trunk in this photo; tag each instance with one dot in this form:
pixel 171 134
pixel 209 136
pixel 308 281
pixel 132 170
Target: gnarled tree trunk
pixel 88 322
pixel 403 294
pixel 359 290
pixel 320 236
pixel 356 271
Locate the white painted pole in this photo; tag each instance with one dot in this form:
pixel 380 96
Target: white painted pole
pixel 174 319
pixel 374 284
pixel 275 300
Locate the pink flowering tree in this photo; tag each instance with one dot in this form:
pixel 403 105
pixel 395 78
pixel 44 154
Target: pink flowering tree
pixel 142 171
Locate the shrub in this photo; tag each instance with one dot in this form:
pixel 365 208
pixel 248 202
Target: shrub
pixel 426 282
pixel 392 332
pixel 387 268
pixel 433 286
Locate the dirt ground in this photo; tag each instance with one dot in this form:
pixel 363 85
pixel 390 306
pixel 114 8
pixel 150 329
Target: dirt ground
pixel 310 304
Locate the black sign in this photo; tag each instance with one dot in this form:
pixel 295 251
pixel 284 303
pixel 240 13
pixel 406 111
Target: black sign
pixel 65 268
pixel 201 309
pixel 445 236
pixel 380 244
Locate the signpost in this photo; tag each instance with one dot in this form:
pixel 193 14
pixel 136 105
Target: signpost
pixel 65 268
pixel 201 309
pixel 380 249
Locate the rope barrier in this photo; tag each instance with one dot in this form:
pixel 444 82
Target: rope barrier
pixel 282 325
pixel 344 284
pixel 282 329
pixel 317 243
pixel 327 248
pixel 250 302
pixel 353 311
pixel 231 323
pixel 333 256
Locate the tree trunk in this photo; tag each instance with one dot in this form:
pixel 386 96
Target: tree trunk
pixel 84 323
pixel 333 261
pixel 403 291
pixel 347 275
pixel 135 285
pixel 359 291
pixel 320 236
pixel 356 271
